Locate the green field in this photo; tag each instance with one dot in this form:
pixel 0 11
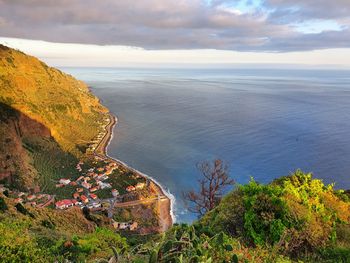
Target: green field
pixel 52 164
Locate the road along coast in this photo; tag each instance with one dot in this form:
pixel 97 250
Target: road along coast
pixel 164 201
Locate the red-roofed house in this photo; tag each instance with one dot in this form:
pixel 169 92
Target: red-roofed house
pixel 86 185
pixel 76 195
pixel 18 200
pixel 94 189
pixel 63 204
pixel 84 199
pixel 93 196
pixel 31 197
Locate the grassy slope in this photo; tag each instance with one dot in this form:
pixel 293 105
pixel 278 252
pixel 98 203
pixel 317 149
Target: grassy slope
pixel 60 102
pixel 31 155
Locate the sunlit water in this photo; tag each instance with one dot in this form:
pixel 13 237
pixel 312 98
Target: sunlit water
pixel 264 123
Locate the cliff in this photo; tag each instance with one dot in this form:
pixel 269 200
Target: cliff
pixel 16 166
pixel 57 100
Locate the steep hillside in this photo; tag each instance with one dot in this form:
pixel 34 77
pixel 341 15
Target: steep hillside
pixel 30 158
pixel 16 167
pixel 57 100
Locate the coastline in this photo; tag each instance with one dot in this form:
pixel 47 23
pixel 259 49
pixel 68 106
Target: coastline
pixel 166 217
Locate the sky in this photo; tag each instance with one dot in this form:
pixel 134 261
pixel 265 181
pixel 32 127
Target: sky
pixel 179 32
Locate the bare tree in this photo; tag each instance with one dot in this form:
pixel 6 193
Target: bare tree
pixel 214 179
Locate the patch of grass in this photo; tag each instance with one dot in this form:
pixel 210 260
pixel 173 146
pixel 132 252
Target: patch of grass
pixel 52 164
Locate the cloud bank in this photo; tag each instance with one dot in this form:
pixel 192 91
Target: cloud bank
pixel 247 25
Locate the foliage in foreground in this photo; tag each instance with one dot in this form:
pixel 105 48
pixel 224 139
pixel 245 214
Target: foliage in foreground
pixel 194 243
pixel 20 243
pixel 295 215
pixel 295 218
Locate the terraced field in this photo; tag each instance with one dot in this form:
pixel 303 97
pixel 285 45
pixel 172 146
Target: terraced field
pixel 52 164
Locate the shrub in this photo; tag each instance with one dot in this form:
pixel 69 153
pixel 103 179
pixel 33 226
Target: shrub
pixel 90 246
pixel 20 208
pixel 3 205
pixel 17 245
pixel 295 214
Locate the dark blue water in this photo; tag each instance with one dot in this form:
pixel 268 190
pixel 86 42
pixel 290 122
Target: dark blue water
pixel 264 123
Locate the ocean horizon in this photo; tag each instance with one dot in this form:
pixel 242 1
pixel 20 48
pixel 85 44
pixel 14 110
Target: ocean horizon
pixel 265 123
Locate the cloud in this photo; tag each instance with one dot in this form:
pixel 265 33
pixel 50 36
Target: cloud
pixel 310 9
pixel 180 24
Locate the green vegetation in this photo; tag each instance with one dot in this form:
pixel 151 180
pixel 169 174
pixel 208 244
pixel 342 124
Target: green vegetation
pixel 31 155
pixel 96 245
pixel 21 243
pixel 52 164
pixel 3 205
pixel 294 215
pixel 57 100
pixel 20 208
pixel 46 235
pixel 18 245
pixel 293 219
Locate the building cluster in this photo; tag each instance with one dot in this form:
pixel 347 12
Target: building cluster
pixel 138 186
pixel 36 200
pixel 87 185
pixel 90 182
pixel 132 226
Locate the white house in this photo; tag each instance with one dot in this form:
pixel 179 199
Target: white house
pixel 64 181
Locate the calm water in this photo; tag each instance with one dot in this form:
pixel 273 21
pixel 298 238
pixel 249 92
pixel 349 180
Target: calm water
pixel 264 123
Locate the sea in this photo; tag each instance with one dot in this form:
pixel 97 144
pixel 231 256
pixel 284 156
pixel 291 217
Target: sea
pixel 264 123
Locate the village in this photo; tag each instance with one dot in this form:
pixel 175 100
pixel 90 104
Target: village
pixel 98 184
pixel 90 183
pixel 35 200
pixel 87 185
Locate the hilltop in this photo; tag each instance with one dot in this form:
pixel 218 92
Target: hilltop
pixel 47 95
